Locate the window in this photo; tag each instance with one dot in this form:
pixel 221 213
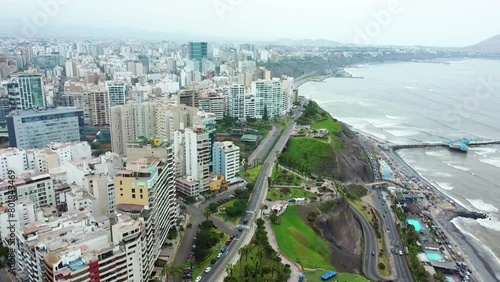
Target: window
pixel 133 196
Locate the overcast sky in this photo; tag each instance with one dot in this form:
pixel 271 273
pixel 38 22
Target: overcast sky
pixel 411 22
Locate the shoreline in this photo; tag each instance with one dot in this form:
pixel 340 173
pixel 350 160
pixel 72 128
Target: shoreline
pixel 471 253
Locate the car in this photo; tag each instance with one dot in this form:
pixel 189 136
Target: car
pixel 207 270
pixel 228 242
pixel 400 252
pixel 219 255
pixel 240 228
pixel 373 253
pixel 213 261
pixel 198 279
pixel 187 276
pixel 245 221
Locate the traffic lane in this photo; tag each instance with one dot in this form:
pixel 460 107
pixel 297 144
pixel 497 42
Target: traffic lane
pixel 254 204
pixel 371 268
pixel 401 265
pixel 4 276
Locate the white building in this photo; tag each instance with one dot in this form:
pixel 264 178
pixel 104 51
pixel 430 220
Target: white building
pixel 226 159
pixel 24 213
pixel 170 118
pixel 15 159
pixel 269 94
pixel 236 101
pixel 195 143
pixel 38 188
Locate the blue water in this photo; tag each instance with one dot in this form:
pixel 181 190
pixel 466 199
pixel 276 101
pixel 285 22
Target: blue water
pixel 434 256
pixel 415 224
pixel 449 279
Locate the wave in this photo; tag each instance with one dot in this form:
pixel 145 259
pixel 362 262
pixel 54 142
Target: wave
pixel 484 151
pixel 435 153
pixel 480 205
pixel 392 117
pixel 441 174
pixel 445 186
pixel 462 168
pixel 464 225
pixel 492 162
pixel 410 87
pixel 490 223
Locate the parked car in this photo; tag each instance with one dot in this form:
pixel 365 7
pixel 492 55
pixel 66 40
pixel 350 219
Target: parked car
pixel 207 270
pixel 198 279
pixel 213 261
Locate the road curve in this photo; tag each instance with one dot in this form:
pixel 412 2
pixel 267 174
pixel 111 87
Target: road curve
pixel 370 267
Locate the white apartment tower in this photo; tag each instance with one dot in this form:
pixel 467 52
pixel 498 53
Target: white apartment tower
pixel 226 159
pixel 236 101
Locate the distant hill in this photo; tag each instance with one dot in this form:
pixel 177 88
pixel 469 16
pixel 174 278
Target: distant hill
pixel 490 45
pixel 306 42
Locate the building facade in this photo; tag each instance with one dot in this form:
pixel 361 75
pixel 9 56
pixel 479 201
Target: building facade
pixel 226 160
pixel 36 128
pixel 117 93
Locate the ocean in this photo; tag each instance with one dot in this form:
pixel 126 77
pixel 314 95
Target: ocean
pixel 414 102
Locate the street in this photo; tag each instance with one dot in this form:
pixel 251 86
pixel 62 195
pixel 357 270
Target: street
pixel 259 193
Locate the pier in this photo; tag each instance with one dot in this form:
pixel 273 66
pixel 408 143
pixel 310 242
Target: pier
pixel 449 144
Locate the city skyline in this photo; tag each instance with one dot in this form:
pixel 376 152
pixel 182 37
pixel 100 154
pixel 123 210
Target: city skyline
pixel 388 22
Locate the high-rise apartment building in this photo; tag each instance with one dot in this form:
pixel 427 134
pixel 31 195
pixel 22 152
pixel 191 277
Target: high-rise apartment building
pixel 131 121
pixel 36 128
pixel 135 67
pixel 193 146
pixel 214 105
pixel 37 187
pixel 226 160
pixel 269 98
pixel 94 101
pixel 117 92
pixel 170 118
pixel 236 101
pixel 189 97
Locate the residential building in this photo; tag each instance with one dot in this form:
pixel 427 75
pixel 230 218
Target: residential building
pixel 269 98
pixel 5 108
pixel 18 160
pixel 136 68
pixel 213 104
pixel 117 93
pixel 21 214
pixel 102 188
pixel 36 187
pixel 288 93
pixel 36 128
pixel 226 160
pixel 131 121
pixel 195 142
pixel 189 97
pixel 236 101
pixel 170 118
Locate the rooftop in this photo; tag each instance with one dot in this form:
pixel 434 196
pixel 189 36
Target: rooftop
pixel 25 178
pixel 45 111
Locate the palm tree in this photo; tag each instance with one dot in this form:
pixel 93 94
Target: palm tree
pixel 229 269
pixel 241 252
pixel 207 212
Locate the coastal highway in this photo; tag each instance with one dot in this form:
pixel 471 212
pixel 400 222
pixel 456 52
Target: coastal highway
pixel 259 193
pixel 265 146
pixel 370 267
pixel 400 261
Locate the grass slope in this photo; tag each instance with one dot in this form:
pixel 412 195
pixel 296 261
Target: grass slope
pixel 297 240
pixel 315 276
pixel 311 153
pixel 275 194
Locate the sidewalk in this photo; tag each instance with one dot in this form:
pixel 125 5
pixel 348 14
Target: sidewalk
pixel 274 243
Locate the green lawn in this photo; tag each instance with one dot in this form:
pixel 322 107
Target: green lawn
pixel 334 127
pixel 297 240
pixel 310 153
pixel 251 173
pixel 275 194
pixel 200 267
pixel 284 177
pixel 225 217
pixel 315 276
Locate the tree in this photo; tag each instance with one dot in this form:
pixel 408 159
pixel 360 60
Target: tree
pixel 229 270
pixel 207 213
pixel 213 207
pixel 439 276
pixel 265 116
